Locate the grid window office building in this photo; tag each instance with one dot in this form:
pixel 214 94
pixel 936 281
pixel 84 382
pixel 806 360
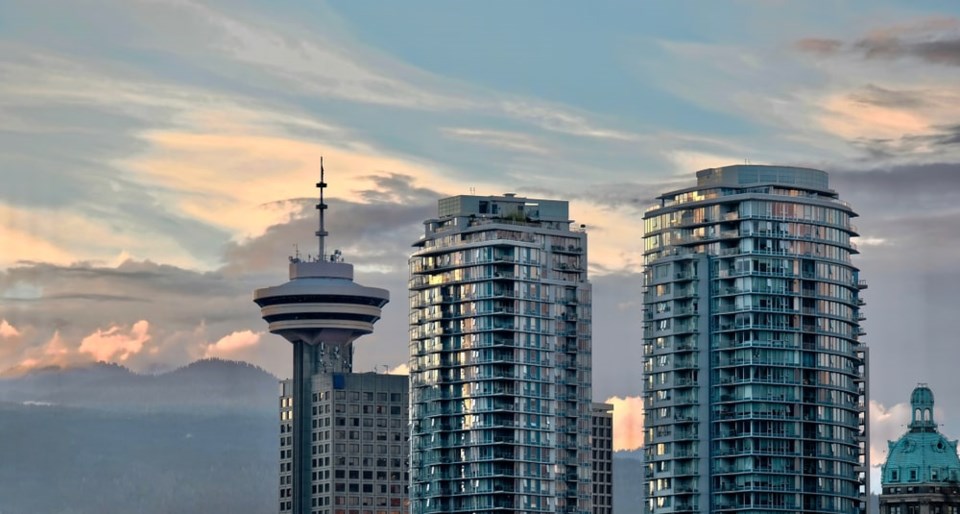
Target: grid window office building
pixel 500 359
pixel 602 458
pixel 359 444
pixel 754 375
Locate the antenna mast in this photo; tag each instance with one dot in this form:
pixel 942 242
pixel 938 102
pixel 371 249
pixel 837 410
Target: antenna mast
pixel 321 233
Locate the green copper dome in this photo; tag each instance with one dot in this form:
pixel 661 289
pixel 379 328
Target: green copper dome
pixel 922 455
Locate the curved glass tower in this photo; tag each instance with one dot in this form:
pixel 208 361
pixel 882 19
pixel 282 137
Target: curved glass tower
pixel 754 375
pixel 500 360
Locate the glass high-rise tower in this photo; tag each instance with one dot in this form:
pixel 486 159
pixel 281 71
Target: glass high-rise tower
pixel 500 359
pixel 754 374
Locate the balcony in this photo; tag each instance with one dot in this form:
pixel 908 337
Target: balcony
pixel 571 249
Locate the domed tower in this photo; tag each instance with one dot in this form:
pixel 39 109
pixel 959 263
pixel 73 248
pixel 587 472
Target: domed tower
pixel 321 311
pixel 922 472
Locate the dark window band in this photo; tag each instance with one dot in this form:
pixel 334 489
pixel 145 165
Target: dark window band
pixel 322 298
pixel 345 316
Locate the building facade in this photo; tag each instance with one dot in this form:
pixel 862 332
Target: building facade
pixel 602 458
pixel 359 443
pixel 500 359
pixel 922 471
pixel 754 373
pixel 320 311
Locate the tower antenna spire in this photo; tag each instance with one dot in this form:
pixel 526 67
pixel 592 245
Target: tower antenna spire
pixel 321 233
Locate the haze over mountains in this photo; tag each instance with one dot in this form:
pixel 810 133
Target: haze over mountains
pixel 205 385
pixel 202 438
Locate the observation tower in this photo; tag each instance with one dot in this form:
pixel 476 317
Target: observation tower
pixel 321 310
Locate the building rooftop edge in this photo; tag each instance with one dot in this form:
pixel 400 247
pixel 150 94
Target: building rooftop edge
pixel 729 176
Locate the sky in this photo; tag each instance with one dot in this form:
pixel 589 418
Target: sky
pixel 158 160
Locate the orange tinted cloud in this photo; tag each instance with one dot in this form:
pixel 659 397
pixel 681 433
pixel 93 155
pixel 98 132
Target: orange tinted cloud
pixel 235 180
pixel 18 231
pixel 231 343
pixel 8 331
pixel 54 352
pixel 627 422
pixel 851 119
pixel 115 344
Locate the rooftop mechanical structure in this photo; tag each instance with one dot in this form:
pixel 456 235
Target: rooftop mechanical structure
pixel 321 311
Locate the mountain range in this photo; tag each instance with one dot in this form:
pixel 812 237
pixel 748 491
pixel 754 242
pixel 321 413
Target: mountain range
pixel 205 385
pixel 202 438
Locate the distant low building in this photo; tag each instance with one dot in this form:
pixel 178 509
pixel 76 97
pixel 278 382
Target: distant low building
pixel 922 472
pixel 359 443
pixel 602 442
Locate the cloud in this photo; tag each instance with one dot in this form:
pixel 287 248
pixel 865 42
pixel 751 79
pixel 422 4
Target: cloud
pixel 871 241
pixel 819 46
pixel 937 142
pixel 872 94
pixel 232 342
pixel 886 424
pixel 27 239
pixel 562 121
pixel 627 422
pixel 936 185
pixel 934 40
pixel 194 167
pixel 192 314
pixel 852 119
pixel 115 344
pixel 397 188
pixel 516 141
pixel 915 124
pixel 250 48
pixel 689 161
pixel 271 352
pixel 8 331
pixel 147 313
pixel 399 369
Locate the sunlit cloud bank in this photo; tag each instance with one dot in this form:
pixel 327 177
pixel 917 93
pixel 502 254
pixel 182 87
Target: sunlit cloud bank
pixel 627 422
pixel 114 344
pixel 153 316
pixel 8 331
pixel 893 89
pixel 399 369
